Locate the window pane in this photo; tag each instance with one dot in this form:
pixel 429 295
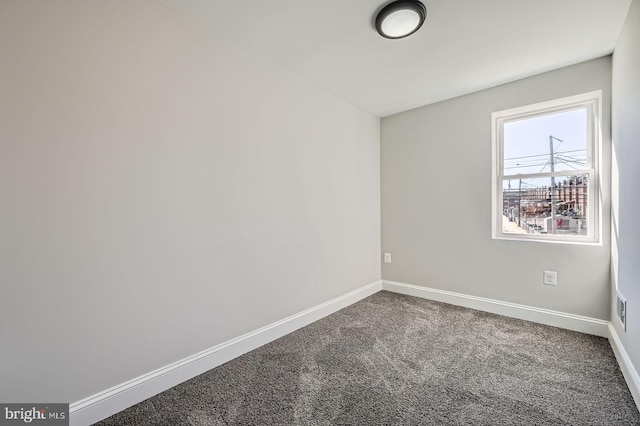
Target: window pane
pixel 552 142
pixel 529 204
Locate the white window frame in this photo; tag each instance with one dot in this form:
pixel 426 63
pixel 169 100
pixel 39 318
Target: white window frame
pixel 592 101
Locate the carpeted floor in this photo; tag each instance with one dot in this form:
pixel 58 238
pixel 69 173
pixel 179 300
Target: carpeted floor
pixel 399 360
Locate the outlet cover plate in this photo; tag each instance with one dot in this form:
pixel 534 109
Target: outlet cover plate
pixel 550 278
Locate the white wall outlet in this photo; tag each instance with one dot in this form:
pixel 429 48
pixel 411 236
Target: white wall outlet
pixel 387 258
pixel 621 311
pixel 550 278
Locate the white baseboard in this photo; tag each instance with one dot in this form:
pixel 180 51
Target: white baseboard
pixel 542 316
pixel 120 397
pixel 104 404
pixel 628 370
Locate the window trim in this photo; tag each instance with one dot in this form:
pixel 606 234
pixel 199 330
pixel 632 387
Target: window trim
pixel 593 103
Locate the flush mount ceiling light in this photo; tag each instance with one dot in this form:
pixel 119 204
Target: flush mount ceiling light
pixel 400 18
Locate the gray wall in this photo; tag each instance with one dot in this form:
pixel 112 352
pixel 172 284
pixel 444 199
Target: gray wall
pixel 162 191
pixel 436 202
pixel 626 180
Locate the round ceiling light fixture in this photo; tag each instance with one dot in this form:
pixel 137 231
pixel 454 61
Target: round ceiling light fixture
pixel 400 18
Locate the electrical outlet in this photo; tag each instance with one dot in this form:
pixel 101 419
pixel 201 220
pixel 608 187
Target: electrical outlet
pixel 550 278
pixel 621 311
pixel 387 258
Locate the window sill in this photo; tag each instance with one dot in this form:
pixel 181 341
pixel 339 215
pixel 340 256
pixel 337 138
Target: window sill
pixel 582 242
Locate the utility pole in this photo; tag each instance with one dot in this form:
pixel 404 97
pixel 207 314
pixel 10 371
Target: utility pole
pixel 552 192
pixel 519 200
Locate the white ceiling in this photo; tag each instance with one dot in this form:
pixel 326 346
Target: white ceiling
pixel 464 45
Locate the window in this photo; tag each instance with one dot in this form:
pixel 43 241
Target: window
pixel 545 170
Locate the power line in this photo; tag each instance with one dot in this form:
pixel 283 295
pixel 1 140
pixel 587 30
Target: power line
pixel 562 160
pixel 545 155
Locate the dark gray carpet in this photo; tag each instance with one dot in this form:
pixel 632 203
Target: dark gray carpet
pixel 398 360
